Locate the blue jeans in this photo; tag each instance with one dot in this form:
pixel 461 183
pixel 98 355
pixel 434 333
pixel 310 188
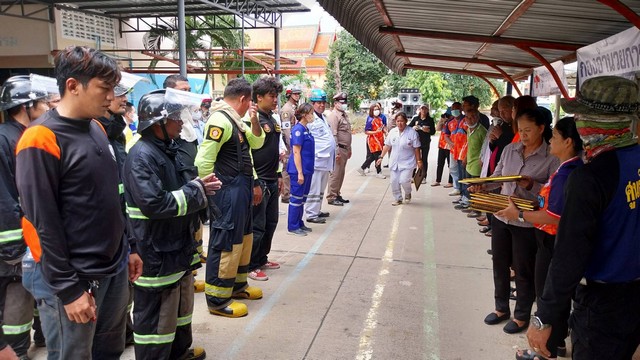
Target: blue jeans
pixel 100 339
pixel 454 171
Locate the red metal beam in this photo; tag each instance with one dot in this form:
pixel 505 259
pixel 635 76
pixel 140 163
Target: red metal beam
pixel 387 21
pixel 452 71
pixel 495 91
pixel 461 59
pixel 509 79
pixel 623 10
pixel 546 64
pixel 478 38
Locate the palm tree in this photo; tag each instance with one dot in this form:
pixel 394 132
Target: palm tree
pixel 198 41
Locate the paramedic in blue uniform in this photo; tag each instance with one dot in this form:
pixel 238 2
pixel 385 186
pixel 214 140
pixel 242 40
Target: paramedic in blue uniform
pixel 596 258
pixel 300 168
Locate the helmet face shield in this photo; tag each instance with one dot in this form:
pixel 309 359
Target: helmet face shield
pixel 17 90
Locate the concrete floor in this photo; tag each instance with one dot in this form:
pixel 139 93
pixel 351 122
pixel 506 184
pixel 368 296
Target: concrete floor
pixel 375 282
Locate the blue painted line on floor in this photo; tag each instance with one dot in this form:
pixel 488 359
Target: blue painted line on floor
pixel 240 341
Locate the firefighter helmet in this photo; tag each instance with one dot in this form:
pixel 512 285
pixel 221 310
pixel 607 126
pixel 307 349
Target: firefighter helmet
pixel 17 90
pixel 153 108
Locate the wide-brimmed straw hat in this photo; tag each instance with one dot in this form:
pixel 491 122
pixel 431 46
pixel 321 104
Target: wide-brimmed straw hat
pixel 604 95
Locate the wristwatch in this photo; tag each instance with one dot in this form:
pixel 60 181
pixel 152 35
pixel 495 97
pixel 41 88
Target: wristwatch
pixel 537 323
pixel 521 216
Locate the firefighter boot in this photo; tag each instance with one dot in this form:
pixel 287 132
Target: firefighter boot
pixel 234 310
pixel 198 286
pixel 250 293
pixel 197 353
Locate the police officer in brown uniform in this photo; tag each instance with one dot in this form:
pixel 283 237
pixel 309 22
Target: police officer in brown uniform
pixel 287 119
pixel 341 128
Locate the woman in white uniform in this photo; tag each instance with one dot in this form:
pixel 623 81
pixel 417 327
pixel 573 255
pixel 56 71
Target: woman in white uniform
pixel 405 143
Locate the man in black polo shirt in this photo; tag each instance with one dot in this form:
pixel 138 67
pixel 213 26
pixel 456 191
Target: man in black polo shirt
pixel 266 162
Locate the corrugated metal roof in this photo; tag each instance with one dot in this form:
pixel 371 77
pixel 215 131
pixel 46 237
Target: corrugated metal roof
pixel 442 34
pixel 126 9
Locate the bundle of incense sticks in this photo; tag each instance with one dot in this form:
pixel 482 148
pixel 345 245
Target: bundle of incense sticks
pixel 499 179
pixel 491 203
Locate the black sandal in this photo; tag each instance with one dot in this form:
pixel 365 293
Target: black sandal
pixel 529 355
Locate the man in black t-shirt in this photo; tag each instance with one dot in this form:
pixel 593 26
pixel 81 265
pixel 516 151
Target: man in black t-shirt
pixel 266 161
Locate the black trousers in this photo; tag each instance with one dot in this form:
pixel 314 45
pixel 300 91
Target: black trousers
pixel 265 222
pixel 443 155
pixel 605 321
pixel 559 329
pixel 372 157
pixel 513 246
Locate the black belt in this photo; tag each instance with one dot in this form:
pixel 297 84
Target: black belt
pixel 343 146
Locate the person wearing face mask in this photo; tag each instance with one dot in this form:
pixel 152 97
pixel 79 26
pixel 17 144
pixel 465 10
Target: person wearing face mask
pixel 300 168
pixel 22 105
pixel 374 128
pixel 114 124
pixel 454 127
pixel 341 129
pixel 187 149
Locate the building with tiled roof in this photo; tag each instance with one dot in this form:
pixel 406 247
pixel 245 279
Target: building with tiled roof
pixel 304 44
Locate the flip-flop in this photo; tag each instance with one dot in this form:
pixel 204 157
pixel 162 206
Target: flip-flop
pixel 529 355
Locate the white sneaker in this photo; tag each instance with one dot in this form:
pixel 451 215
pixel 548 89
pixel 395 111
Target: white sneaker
pixel 380 176
pixel 367 170
pixel 455 192
pixel 396 203
pixel 407 198
pixel 361 171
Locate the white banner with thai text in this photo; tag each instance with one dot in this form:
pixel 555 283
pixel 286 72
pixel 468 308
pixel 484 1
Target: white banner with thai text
pixel 616 55
pixel 543 82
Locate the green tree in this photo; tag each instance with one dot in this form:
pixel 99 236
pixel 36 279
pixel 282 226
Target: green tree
pixel 464 85
pixel 392 84
pixel 199 42
pixel 433 88
pixel 354 70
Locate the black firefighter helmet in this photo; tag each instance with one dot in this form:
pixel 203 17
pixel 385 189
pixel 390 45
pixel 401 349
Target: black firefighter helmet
pixel 153 108
pixel 17 90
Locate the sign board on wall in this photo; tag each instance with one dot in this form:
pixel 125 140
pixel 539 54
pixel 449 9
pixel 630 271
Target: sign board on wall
pixel 616 55
pixel 543 82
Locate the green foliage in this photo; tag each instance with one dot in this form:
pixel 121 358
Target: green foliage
pixel 357 71
pixel 463 85
pixel 433 87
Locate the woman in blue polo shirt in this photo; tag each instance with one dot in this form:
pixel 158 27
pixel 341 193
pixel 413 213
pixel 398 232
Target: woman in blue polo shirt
pixel 300 169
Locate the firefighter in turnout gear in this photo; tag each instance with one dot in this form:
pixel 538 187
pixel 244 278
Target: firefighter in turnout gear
pixel 23 105
pixel 163 197
pixel 227 143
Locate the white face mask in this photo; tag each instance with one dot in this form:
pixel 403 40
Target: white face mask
pixel 376 112
pixel 196 115
pixel 342 106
